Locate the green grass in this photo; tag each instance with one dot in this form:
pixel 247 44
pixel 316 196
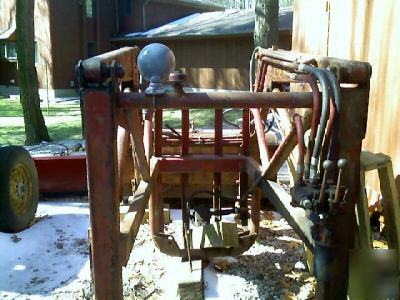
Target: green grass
pixel 64 121
pixel 203 118
pixel 13 108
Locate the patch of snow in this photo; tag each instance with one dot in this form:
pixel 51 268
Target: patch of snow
pixel 50 260
pixel 50 256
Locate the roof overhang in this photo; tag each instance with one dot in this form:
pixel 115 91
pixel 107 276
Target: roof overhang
pixel 8 34
pixel 180 37
pixel 192 3
pixel 209 25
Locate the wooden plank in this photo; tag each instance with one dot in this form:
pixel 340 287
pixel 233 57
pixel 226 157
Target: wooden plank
pixel 391 207
pixel 130 224
pixel 190 282
pixel 230 234
pixel 212 236
pixel 362 214
pixel 166 213
pixel 136 130
pixel 280 199
pixel 371 161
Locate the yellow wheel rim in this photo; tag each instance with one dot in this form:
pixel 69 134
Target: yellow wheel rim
pixel 20 189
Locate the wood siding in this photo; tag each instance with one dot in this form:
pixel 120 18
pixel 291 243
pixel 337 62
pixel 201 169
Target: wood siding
pixel 367 30
pixel 215 63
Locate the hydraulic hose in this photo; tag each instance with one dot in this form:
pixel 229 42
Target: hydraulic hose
pixel 301 147
pixel 336 96
pixel 316 114
pixel 321 76
pixel 251 75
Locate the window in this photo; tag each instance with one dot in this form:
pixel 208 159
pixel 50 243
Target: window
pixel 11 50
pixel 8 50
pixel 128 7
pixel 89 8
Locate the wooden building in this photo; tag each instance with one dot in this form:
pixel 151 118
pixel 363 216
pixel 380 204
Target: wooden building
pixel 362 30
pixel 212 48
pixel 66 31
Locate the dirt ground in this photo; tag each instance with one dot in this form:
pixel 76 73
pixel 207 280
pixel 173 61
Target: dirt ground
pixel 50 261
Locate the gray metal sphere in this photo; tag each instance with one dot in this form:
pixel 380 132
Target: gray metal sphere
pixel 342 163
pixel 327 165
pixel 156 60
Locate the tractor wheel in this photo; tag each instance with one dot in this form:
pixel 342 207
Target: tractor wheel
pixel 19 189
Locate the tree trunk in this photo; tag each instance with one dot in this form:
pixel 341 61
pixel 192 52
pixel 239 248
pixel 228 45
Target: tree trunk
pixel 266 23
pixel 35 128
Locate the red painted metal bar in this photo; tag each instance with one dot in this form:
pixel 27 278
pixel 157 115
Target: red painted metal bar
pixel 300 146
pixel 155 204
pixel 246 132
pixel 185 132
pixel 287 66
pixel 103 194
pixel 158 132
pixel 260 83
pixel 184 176
pixel 217 100
pixel 218 119
pixel 156 215
pixel 255 209
pixel 148 134
pixel 243 177
pixel 262 142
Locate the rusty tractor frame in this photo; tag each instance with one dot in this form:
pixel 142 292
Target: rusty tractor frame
pixel 125 141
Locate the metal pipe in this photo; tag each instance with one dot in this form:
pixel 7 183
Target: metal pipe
pixel 251 74
pixel 316 114
pixel 258 78
pixel 280 54
pixel 320 75
pixel 263 72
pixel 148 134
pixel 301 147
pixel 216 100
pixel 283 65
pixel 262 142
pixel 336 119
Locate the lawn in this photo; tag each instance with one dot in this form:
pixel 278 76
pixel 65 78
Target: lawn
pixel 64 121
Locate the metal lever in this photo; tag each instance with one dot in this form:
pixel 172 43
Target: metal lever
pixel 327 165
pixel 341 164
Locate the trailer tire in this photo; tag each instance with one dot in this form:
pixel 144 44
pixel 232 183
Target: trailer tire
pixel 19 189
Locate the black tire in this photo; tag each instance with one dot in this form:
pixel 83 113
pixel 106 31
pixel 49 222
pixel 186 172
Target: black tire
pixel 19 189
